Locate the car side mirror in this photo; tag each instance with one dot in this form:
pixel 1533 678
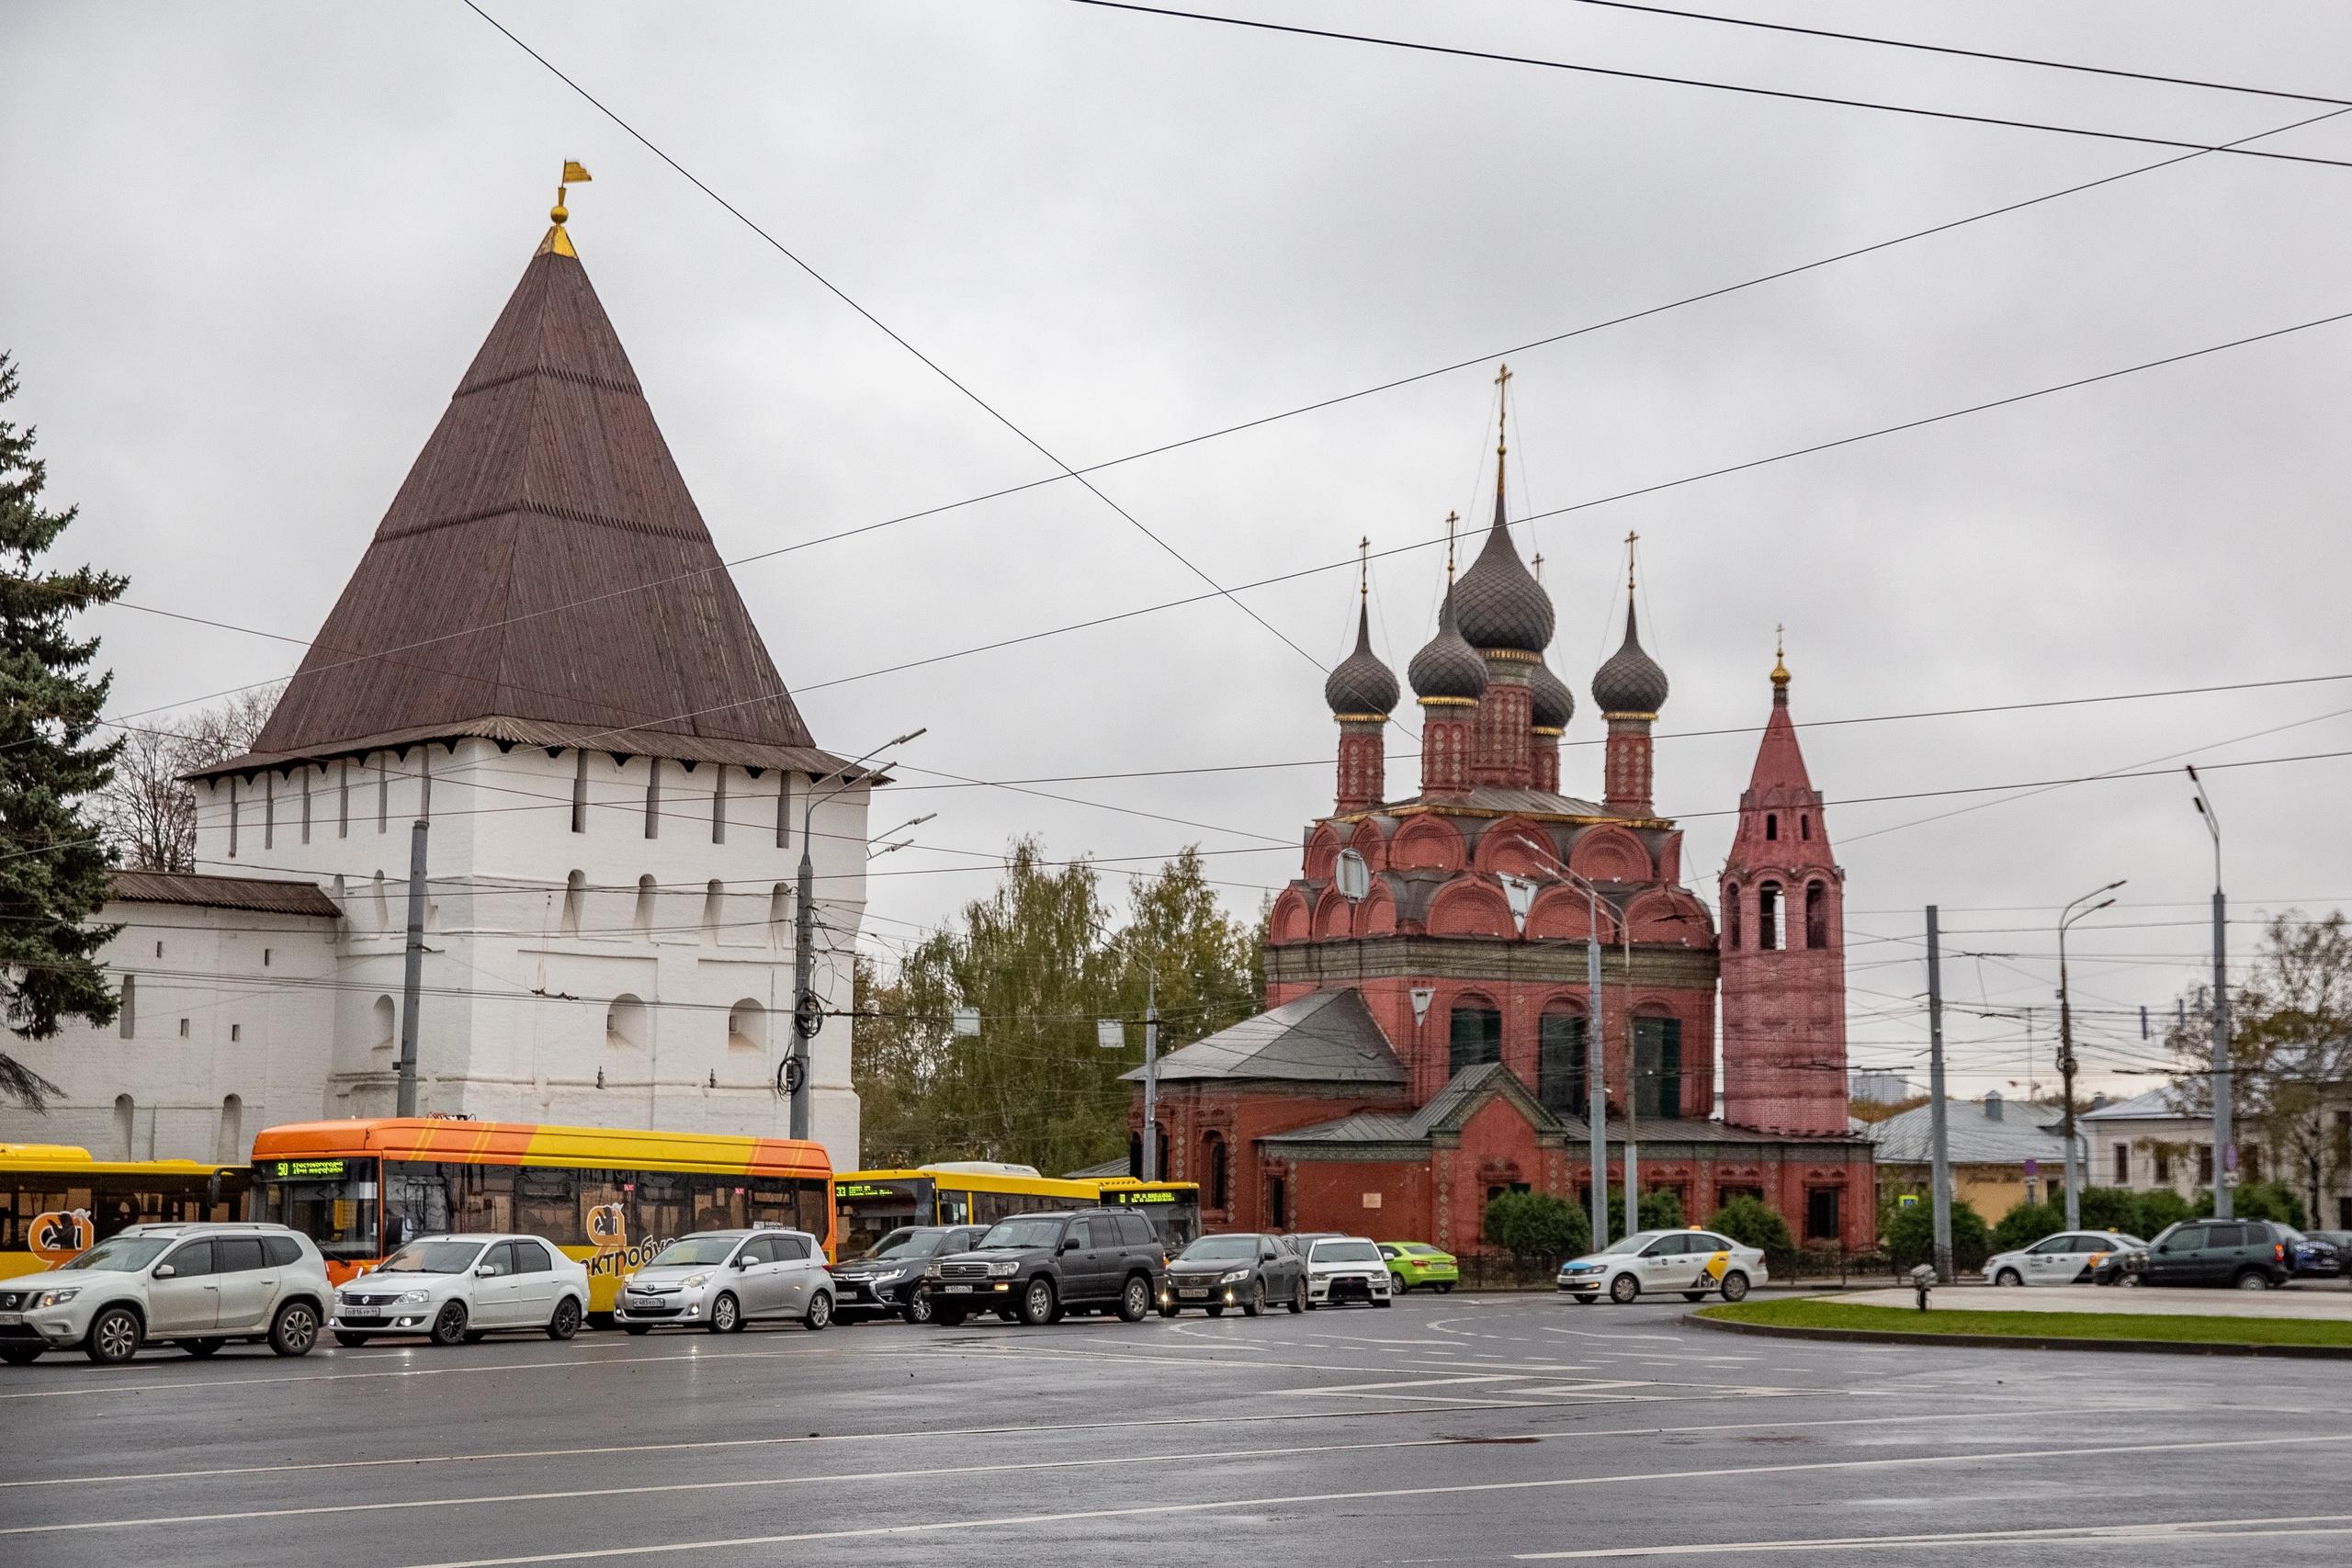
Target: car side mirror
pixel 485 1272
pixel 165 1271
pixel 1070 1244
pixel 738 1261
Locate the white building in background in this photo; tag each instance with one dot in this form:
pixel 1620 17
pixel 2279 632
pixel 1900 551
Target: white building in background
pixel 542 657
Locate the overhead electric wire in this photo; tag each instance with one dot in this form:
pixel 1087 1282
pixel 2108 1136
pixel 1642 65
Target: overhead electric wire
pixel 1743 89
pixel 1990 55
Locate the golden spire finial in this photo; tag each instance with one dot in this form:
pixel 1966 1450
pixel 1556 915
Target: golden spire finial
pixel 1631 539
pixel 574 173
pixel 1450 519
pixel 1363 568
pixel 1780 656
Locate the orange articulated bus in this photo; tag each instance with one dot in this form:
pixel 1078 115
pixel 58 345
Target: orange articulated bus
pixel 611 1197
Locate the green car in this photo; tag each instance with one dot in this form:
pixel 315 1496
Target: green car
pixel 1412 1263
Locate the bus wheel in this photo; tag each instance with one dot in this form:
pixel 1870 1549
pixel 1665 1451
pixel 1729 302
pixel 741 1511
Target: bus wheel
pixel 451 1326
pixel 349 1340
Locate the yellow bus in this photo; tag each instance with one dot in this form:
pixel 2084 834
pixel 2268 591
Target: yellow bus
pixel 873 1203
pixel 611 1197
pixel 1173 1207
pixel 55 1201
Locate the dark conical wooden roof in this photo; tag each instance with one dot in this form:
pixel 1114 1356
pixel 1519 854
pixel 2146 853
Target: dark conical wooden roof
pixel 543 575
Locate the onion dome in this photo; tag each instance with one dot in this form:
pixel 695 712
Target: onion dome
pixel 1554 703
pixel 1502 604
pixel 1631 681
pixel 1448 667
pixel 1360 685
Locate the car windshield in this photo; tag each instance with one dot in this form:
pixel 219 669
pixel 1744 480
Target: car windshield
pixel 1633 1243
pixel 691 1249
pixel 433 1257
pixel 1210 1247
pixel 122 1254
pixel 1345 1252
pixel 1029 1230
pixel 908 1242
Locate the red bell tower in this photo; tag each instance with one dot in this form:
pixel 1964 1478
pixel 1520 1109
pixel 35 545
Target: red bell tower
pixel 1783 947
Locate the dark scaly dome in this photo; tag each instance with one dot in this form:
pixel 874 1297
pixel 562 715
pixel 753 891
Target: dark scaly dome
pixel 1554 704
pixel 1502 606
pixel 1448 667
pixel 1361 683
pixel 1631 681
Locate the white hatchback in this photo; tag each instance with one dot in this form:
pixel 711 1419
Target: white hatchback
pixel 1658 1262
pixel 2066 1259
pixel 459 1287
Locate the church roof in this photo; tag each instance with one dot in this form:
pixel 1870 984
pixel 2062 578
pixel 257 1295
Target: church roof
pixel 543 573
pixel 1323 1037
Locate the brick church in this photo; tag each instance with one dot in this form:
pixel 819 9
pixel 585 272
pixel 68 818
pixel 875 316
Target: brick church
pixel 1425 1042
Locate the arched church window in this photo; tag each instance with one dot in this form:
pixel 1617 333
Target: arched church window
pixel 1771 826
pixel 1816 914
pixel 229 1147
pixel 645 906
pixel 779 910
pixel 1731 917
pixel 575 897
pixel 1767 917
pixel 1213 1160
pixel 1476 1035
pixel 386 1019
pixel 1657 1066
pixel 1560 1080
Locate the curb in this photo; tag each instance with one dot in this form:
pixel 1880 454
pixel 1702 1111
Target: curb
pixel 2026 1342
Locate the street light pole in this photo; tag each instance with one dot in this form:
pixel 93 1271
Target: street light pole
pixel 2067 916
pixel 807 1010
pixel 2224 1151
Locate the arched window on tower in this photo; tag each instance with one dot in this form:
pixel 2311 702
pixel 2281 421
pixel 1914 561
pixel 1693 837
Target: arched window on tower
pixel 1767 917
pixel 645 904
pixel 1771 826
pixel 575 897
pixel 1657 1066
pixel 229 1146
pixel 747 1026
pixel 714 908
pixel 126 1116
pixel 1560 1080
pixel 1213 1161
pixel 1477 1034
pixel 1731 917
pixel 1816 914
pixel 1804 826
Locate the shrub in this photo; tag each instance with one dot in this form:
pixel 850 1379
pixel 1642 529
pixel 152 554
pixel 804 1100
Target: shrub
pixel 1536 1225
pixel 1658 1211
pixel 2154 1211
pixel 2025 1224
pixel 2110 1209
pixel 1749 1223
pixel 2261 1200
pixel 1911 1236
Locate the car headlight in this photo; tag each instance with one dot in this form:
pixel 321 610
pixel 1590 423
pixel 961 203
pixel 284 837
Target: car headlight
pixel 693 1281
pixel 999 1270
pixel 1233 1276
pixel 930 1271
pixel 55 1298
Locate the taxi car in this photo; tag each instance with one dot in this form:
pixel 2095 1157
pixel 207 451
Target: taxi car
pixel 1415 1264
pixel 1692 1262
pixel 2069 1258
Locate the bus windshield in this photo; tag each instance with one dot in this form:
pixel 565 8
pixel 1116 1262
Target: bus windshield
pixel 123 1254
pixel 333 1201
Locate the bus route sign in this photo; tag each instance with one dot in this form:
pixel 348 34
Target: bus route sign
pixel 308 1169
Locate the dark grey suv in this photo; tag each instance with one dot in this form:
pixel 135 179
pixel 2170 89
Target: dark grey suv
pixel 1034 1268
pixel 2251 1255
pixel 1248 1270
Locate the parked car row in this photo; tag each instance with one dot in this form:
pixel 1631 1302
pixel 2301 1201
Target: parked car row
pixel 2247 1254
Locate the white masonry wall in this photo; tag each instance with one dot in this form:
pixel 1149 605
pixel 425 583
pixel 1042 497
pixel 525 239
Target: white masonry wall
pixel 590 959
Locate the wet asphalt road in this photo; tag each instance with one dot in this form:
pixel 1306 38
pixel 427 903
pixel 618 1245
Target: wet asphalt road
pixel 1452 1429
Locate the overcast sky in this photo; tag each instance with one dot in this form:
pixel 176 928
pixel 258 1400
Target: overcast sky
pixel 251 248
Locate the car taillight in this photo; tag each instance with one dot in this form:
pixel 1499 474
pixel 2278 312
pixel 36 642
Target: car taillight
pixel 2278 1252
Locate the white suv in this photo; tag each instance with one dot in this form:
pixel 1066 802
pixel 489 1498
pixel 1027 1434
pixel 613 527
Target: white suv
pixel 1346 1268
pixel 197 1286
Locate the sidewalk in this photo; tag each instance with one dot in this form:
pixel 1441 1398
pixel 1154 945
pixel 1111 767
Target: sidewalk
pixel 2295 1301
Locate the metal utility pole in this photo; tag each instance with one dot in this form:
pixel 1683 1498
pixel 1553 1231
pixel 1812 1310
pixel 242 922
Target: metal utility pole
pixel 2224 1151
pixel 412 976
pixel 1596 1068
pixel 2067 1050
pixel 1940 1176
pixel 808 1008
pixel 1150 1073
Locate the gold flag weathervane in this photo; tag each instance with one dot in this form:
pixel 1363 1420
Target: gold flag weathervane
pixel 574 172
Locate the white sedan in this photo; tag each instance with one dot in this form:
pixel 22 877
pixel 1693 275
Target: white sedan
pixel 1655 1262
pixel 454 1288
pixel 2066 1259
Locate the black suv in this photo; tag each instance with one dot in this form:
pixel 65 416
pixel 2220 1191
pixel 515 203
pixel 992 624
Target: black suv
pixel 1034 1268
pixel 2252 1255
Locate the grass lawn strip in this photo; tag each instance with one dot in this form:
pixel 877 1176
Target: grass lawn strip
pixel 2183 1329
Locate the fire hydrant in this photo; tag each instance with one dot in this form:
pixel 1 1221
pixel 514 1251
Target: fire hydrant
pixel 1923 1279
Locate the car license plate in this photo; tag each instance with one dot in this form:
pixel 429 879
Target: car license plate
pixel 1191 1295
pixel 960 1290
pixel 11 1318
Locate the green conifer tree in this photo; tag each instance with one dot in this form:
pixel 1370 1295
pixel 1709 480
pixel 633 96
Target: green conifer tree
pixel 53 864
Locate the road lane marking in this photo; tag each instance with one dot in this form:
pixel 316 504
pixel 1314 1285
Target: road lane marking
pixel 2137 1532
pixel 1150 1510
pixel 601 1452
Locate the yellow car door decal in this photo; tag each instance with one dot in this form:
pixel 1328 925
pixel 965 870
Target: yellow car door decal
pixel 1717 1264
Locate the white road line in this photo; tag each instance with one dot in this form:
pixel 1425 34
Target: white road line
pixel 605 1449
pixel 2137 1532
pixel 1152 1510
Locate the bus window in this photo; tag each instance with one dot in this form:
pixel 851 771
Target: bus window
pixel 955 1209
pixel 333 1201
pixel 871 1209
pixel 546 1202
pixel 658 1206
pixel 484 1197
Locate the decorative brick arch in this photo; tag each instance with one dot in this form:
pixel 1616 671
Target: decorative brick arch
pixel 1322 851
pixel 1334 915
pixel 1377 915
pixel 1289 922
pixel 1368 841
pixel 1664 916
pixel 1427 843
pixel 1562 914
pixel 1470 906
pixel 1518 847
pixel 1608 854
